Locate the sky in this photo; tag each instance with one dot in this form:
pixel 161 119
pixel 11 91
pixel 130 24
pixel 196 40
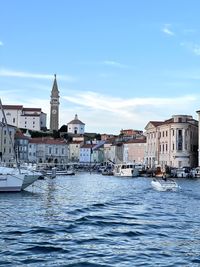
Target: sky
pixel 119 63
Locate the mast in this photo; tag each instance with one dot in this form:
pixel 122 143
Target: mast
pixel 12 144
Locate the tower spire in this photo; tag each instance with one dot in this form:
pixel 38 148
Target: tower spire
pixel 54 106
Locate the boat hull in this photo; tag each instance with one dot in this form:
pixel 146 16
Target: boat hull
pixel 162 185
pixel 11 183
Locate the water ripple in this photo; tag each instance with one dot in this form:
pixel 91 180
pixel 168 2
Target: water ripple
pixel 92 220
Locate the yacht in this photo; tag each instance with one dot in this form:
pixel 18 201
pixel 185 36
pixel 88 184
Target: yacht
pixel 125 170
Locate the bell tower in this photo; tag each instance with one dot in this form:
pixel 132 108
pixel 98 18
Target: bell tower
pixel 54 106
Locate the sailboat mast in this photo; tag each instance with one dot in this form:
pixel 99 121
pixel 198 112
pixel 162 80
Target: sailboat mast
pixel 12 144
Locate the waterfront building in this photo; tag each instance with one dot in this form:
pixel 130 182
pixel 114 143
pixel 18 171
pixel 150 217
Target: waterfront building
pixel 21 146
pixel 48 150
pixel 74 150
pixel 6 147
pixel 172 142
pixel 134 150
pixel 86 153
pixel 76 126
pixel 54 107
pixel 107 151
pixel 27 118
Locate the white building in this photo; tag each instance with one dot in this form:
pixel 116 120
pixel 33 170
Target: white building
pixel 172 142
pixel 86 153
pixel 27 118
pixel 76 126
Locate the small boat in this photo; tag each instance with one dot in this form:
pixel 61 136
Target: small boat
pixel 125 170
pixel 107 172
pixel 52 173
pixel 164 184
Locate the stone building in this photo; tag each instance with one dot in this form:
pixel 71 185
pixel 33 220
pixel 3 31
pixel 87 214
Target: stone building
pixel 172 142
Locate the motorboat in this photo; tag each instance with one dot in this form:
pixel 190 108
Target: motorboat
pixel 164 184
pixel 53 172
pixel 125 170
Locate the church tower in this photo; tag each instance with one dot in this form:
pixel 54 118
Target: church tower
pixel 54 106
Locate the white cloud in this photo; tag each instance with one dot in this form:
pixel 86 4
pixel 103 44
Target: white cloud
pixel 1 43
pixel 106 113
pixel 166 29
pixel 192 47
pixel 114 63
pixel 21 74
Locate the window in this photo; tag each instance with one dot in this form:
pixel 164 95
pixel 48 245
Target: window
pixel 13 120
pixel 180 140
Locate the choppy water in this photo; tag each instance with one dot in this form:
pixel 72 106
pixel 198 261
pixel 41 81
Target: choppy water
pixel 95 220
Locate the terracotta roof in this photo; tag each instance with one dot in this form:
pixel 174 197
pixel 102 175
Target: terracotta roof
pixel 47 141
pixel 76 142
pixel 156 123
pixel 12 106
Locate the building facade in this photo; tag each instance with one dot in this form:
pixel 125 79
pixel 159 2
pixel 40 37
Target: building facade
pixel 7 153
pixel 48 150
pixel 21 146
pixel 54 107
pixel 134 151
pixel 26 118
pixel 172 142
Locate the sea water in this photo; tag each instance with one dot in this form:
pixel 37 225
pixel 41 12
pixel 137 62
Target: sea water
pixel 95 220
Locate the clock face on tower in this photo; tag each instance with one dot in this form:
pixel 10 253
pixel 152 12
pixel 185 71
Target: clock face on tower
pixel 54 111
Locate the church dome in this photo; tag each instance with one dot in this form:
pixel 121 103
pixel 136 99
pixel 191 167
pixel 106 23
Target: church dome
pixel 76 121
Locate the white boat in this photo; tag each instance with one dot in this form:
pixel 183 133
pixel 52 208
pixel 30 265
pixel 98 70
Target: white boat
pixel 125 170
pixel 13 179
pixel 164 184
pixel 10 181
pixel 54 172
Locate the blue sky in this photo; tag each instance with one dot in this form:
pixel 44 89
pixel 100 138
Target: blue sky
pixel 119 63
